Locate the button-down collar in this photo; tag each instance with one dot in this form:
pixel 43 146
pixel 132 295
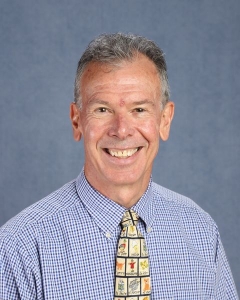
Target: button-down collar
pixel 101 207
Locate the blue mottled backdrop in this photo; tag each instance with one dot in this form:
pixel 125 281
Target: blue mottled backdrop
pixel 40 44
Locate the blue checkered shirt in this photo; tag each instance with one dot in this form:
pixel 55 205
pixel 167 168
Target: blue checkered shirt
pixel 64 247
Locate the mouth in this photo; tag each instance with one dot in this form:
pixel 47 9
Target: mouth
pixel 122 153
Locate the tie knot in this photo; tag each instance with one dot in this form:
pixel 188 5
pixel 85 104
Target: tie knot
pixel 130 218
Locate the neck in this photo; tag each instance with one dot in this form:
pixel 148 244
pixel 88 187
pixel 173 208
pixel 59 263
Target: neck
pixel 125 195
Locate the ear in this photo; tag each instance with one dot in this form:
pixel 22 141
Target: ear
pixel 166 120
pixel 76 121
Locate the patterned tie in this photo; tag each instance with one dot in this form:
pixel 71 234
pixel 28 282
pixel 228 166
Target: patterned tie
pixel 132 265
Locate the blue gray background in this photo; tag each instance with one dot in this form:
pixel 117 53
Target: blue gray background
pixel 41 42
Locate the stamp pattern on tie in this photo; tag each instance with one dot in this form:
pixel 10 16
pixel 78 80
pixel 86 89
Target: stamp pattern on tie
pixel 132 264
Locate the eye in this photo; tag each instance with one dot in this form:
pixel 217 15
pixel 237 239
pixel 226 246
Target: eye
pixel 101 109
pixel 139 109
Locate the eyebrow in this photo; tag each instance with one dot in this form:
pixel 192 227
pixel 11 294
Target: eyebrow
pixel 103 102
pixel 145 101
pixel 98 101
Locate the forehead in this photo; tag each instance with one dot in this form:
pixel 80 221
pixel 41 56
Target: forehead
pixel 139 73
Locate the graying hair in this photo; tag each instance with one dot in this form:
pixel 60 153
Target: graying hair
pixel 118 47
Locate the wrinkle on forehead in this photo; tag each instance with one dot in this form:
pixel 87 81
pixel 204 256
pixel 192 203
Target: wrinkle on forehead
pixel 105 68
pixel 137 76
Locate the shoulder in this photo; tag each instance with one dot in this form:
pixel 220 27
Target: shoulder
pixel 49 207
pixel 175 199
pixel 187 222
pixel 184 207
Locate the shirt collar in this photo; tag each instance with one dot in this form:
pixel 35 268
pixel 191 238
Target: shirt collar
pixel 101 207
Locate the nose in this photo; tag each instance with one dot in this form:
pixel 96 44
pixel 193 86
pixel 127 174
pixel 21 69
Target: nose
pixel 121 127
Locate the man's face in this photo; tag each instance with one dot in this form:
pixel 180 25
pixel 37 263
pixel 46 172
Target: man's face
pixel 121 122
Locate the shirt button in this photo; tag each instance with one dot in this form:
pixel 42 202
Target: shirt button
pixel 149 229
pixel 108 235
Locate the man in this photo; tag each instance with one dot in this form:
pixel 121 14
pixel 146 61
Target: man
pixel 65 246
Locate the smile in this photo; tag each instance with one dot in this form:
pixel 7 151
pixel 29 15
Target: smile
pixel 122 153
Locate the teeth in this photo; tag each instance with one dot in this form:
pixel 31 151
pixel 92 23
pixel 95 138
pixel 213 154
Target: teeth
pixel 124 153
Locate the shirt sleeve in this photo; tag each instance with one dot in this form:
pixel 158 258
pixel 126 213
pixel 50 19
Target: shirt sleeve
pixel 224 286
pixel 17 277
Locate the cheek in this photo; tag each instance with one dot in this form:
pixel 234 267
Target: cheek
pixel 92 133
pixel 150 130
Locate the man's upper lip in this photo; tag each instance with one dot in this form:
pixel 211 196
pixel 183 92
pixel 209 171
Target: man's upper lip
pixel 122 149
